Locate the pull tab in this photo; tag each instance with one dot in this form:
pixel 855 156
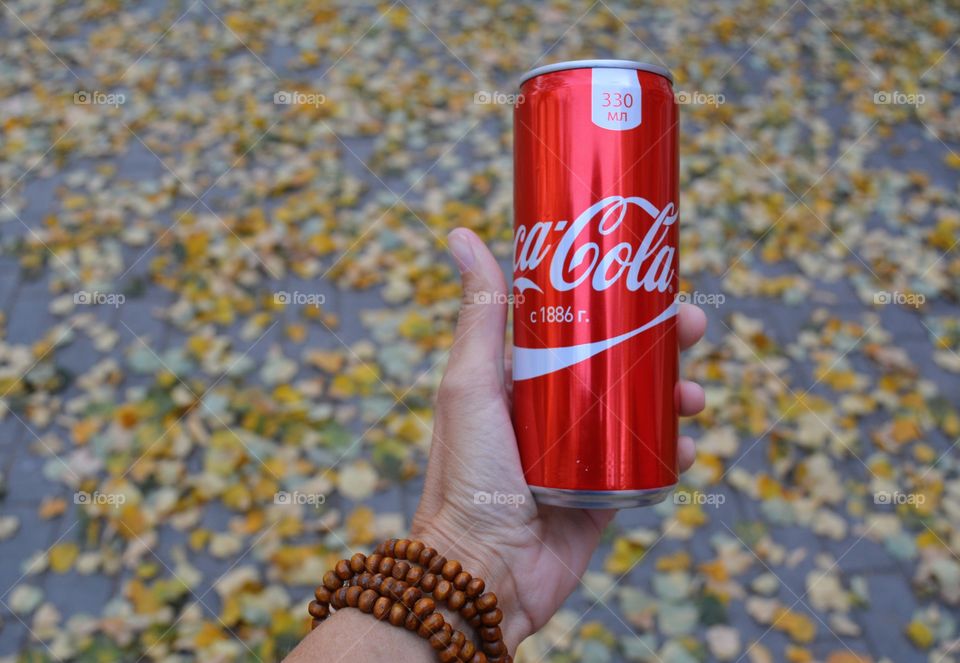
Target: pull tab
pixel 615 99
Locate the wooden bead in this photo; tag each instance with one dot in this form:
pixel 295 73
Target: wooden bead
pixel 490 633
pixel 469 610
pixel 399 587
pixel 353 595
pixel 458 638
pixel 314 623
pixel 342 569
pixel 400 569
pixel 388 546
pixel 449 655
pixel 386 565
pixel 436 564
pixel 486 602
pixel 424 606
pixel 322 594
pixel 467 651
pixel 414 550
pixel 339 598
pixel 443 590
pixel 386 587
pixel 491 617
pixel 318 610
pixel 400 549
pixel 462 580
pixel 377 582
pixel 398 614
pixel 440 639
pixel 381 608
pixel 431 624
pixel 363 580
pixel 373 562
pixel 451 569
pixel 367 598
pixel 411 596
pixel 412 622
pixel 415 575
pixel 358 562
pixel 426 556
pixel 475 621
pixel 496 648
pixel 457 600
pixel 429 582
pixel 332 581
pixel 475 588
pixel 479 657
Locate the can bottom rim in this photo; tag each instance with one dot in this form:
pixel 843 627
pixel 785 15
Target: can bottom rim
pixel 600 499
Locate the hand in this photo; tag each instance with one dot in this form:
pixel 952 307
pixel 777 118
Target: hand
pixel 531 556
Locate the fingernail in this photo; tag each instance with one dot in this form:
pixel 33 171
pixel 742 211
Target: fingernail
pixel 461 248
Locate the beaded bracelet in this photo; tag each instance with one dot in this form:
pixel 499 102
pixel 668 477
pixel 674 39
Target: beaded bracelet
pixel 393 584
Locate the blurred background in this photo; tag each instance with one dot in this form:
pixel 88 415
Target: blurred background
pixel 226 305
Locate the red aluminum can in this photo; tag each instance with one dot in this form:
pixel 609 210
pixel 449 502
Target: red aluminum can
pixel 595 358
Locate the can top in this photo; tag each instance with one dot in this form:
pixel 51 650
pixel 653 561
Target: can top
pixel 596 64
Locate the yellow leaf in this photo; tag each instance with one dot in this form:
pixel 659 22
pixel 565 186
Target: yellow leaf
pixel 799 627
pixel 905 430
pixel 51 508
pixel 360 530
pixel 920 634
pixel 847 657
pixel 624 556
pixel 208 635
pixel 62 556
pixel 691 515
pixel 83 430
pixel 679 561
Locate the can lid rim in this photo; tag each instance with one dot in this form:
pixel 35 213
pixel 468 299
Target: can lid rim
pixel 596 64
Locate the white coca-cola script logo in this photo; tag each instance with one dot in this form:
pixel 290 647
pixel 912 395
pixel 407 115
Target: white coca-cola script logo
pixel 647 265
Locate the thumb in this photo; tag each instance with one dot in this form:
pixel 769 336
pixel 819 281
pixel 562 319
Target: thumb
pixel 477 351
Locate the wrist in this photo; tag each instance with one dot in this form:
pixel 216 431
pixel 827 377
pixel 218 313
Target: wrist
pixel 483 561
pixel 351 635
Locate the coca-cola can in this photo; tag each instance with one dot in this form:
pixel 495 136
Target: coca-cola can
pixel 595 356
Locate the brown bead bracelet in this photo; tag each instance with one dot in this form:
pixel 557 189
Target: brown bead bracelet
pixel 393 584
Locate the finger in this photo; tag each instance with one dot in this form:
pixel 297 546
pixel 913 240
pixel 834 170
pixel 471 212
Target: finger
pixel 692 398
pixel 686 452
pixel 692 324
pixel 478 341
